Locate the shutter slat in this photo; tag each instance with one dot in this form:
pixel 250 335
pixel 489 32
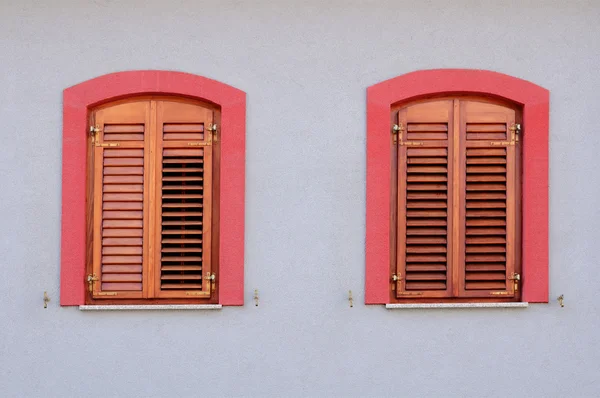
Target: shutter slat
pixel 423 267
pixel 122 269
pixel 181 223
pixel 126 250
pixel 181 214
pixel 121 233
pixel 180 286
pixel 117 287
pixel 127 277
pixel 181 268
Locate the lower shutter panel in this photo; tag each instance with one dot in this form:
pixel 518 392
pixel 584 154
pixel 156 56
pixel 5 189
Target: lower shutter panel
pixel 426 254
pixel 122 219
pixel 486 219
pixel 182 219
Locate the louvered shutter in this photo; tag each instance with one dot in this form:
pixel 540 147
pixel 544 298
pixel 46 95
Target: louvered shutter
pixel 489 200
pixel 184 196
pixel 424 213
pixel 120 200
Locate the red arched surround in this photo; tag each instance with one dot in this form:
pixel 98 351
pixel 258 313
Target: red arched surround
pixel 535 102
pixel 78 100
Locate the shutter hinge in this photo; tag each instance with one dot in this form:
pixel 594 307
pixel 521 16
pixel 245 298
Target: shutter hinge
pixel 94 131
pixel 91 278
pixel 395 279
pixel 516 278
pixel 212 127
pixel 515 130
pixel 213 280
pixel 397 131
pixel 112 144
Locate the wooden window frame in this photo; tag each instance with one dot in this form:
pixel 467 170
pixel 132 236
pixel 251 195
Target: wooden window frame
pixel 80 99
pixel 534 101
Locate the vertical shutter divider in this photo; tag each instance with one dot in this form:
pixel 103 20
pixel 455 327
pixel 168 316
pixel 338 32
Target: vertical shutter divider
pixel 150 201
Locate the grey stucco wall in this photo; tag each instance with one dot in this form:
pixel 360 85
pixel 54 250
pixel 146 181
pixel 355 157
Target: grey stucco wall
pixel 305 66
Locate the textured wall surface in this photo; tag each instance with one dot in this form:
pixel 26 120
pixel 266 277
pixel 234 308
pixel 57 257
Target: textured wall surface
pixel 305 66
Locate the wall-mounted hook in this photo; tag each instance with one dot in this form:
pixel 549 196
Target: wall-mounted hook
pixel 46 299
pixel 560 300
pixel 256 297
pixel 350 299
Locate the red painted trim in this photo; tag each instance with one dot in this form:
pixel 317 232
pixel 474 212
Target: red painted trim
pixel 535 102
pixel 77 101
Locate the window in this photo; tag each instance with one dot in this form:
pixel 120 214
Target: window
pixel 153 179
pixel 457 163
pixel 457 206
pixel 153 190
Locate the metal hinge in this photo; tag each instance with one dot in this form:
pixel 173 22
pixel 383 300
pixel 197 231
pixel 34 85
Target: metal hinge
pixel 397 131
pixel 112 144
pixel 91 278
pixel 515 130
pixel 516 278
pixel 213 280
pixel 212 127
pixel 94 131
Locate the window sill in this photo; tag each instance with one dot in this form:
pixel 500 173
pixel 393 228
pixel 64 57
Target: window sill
pixel 186 307
pixel 456 305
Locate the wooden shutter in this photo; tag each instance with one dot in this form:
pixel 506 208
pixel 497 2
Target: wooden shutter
pixel 184 196
pixel 425 158
pixel 489 200
pixel 120 200
pixel 458 191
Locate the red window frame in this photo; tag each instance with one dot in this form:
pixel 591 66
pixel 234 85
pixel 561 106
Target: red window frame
pixel 535 102
pixel 77 102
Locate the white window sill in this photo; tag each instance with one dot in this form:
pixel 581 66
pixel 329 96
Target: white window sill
pixel 150 307
pixel 456 305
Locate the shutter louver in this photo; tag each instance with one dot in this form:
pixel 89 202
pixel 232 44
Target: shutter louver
pixel 120 214
pixel 181 234
pixel 122 219
pixel 423 200
pixel 488 200
pixel 426 218
pixel 184 173
pixel 485 257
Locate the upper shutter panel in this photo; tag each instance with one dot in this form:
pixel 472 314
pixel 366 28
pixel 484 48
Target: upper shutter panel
pixel 184 196
pixel 120 200
pixel 489 200
pixel 424 200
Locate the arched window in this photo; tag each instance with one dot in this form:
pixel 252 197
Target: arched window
pixel 153 192
pixel 464 217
